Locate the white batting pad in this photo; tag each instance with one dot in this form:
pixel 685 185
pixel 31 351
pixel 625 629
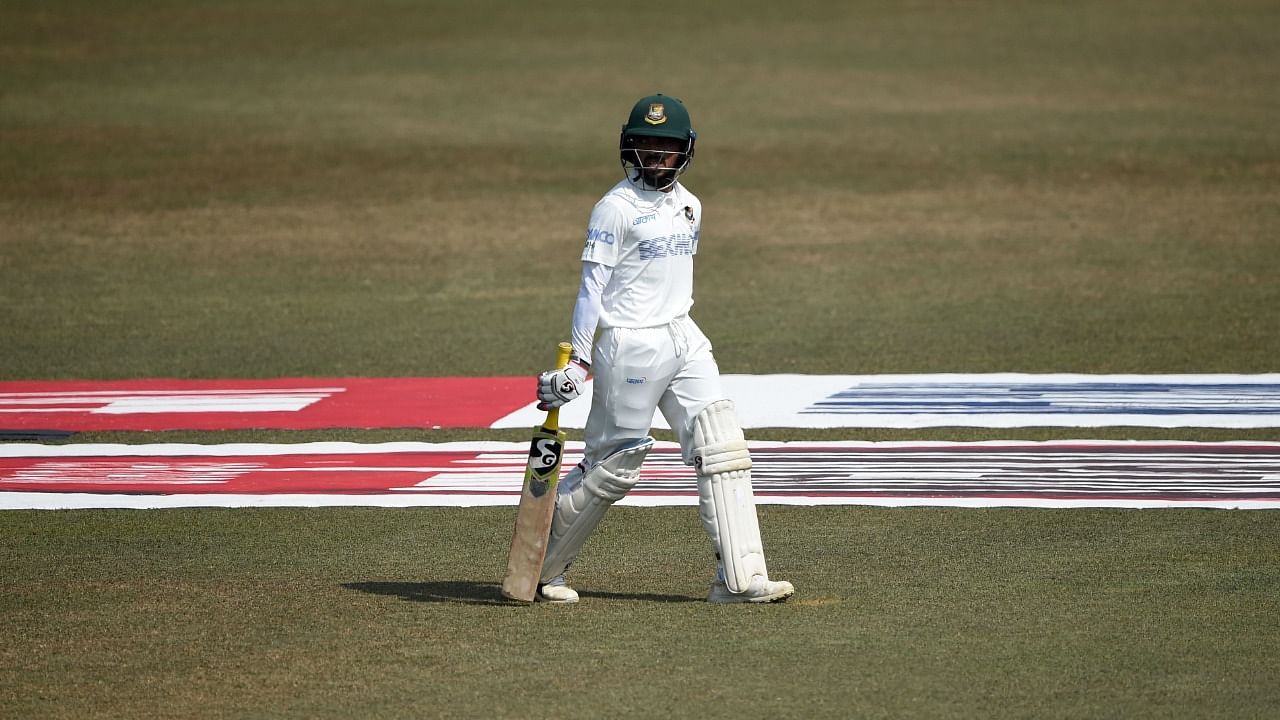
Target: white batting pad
pixel 725 501
pixel 583 499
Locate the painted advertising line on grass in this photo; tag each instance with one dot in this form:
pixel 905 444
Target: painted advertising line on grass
pixel 284 403
pixel 993 400
pixel 997 400
pixel 987 474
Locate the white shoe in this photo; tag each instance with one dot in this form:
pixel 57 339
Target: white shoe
pixel 556 591
pixel 761 590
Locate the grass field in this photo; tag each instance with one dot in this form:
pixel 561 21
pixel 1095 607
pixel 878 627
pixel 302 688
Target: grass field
pixel 240 189
pixel 913 612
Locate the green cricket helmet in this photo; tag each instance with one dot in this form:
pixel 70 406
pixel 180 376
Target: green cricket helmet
pixel 656 116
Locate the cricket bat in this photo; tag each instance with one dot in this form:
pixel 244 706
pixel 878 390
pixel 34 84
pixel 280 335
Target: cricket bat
pixel 537 503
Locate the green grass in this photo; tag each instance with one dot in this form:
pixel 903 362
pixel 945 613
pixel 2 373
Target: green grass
pixel 243 189
pixel 907 612
pixel 234 190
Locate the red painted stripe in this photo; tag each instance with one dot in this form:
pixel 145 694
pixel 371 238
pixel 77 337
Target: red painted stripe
pixel 338 403
pixel 343 473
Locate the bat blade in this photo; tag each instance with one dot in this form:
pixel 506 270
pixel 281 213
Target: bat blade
pixel 537 504
pixel 533 518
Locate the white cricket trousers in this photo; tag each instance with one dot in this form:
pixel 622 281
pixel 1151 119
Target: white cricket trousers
pixel 637 370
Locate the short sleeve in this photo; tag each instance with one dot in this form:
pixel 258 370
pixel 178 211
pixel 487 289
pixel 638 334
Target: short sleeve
pixel 604 232
pixel 695 208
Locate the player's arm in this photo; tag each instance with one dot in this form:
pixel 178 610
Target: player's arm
pixel 586 311
pixel 605 232
pixel 559 386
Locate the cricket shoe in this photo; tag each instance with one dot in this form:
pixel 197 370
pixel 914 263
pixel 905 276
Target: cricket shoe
pixel 761 590
pixel 556 591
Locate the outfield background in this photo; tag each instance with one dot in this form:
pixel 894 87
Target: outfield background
pixel 384 188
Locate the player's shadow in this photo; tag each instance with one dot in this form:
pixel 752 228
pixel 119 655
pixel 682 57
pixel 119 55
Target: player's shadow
pixel 441 591
pixel 474 592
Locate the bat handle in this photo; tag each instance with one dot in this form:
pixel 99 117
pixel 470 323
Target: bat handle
pixel 562 359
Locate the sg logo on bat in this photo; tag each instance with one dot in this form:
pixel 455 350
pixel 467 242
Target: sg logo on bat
pixel 544 456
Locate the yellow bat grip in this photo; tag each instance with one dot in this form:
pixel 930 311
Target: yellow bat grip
pixel 562 359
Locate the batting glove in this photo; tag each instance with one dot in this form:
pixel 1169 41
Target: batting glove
pixel 557 387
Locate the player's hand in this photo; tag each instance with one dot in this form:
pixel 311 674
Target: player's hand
pixel 557 387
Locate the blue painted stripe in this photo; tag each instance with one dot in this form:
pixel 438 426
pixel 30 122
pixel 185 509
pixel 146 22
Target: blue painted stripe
pixel 1085 398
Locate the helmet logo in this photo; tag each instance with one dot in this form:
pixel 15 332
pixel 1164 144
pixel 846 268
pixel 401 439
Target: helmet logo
pixel 657 114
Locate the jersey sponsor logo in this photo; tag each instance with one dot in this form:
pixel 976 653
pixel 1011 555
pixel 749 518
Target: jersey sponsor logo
pixel 644 219
pixel 595 235
pixel 666 246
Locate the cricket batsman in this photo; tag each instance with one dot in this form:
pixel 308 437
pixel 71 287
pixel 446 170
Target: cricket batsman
pixel 636 292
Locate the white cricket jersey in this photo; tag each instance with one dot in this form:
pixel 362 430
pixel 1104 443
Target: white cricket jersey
pixel 649 239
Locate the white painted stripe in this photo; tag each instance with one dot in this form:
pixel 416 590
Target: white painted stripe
pixel 826 401
pixel 113 402
pixel 74 501
pixel 1032 474
pixel 108 481
pixel 506 449
pixel 207 405
pixel 24 411
pixel 94 395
